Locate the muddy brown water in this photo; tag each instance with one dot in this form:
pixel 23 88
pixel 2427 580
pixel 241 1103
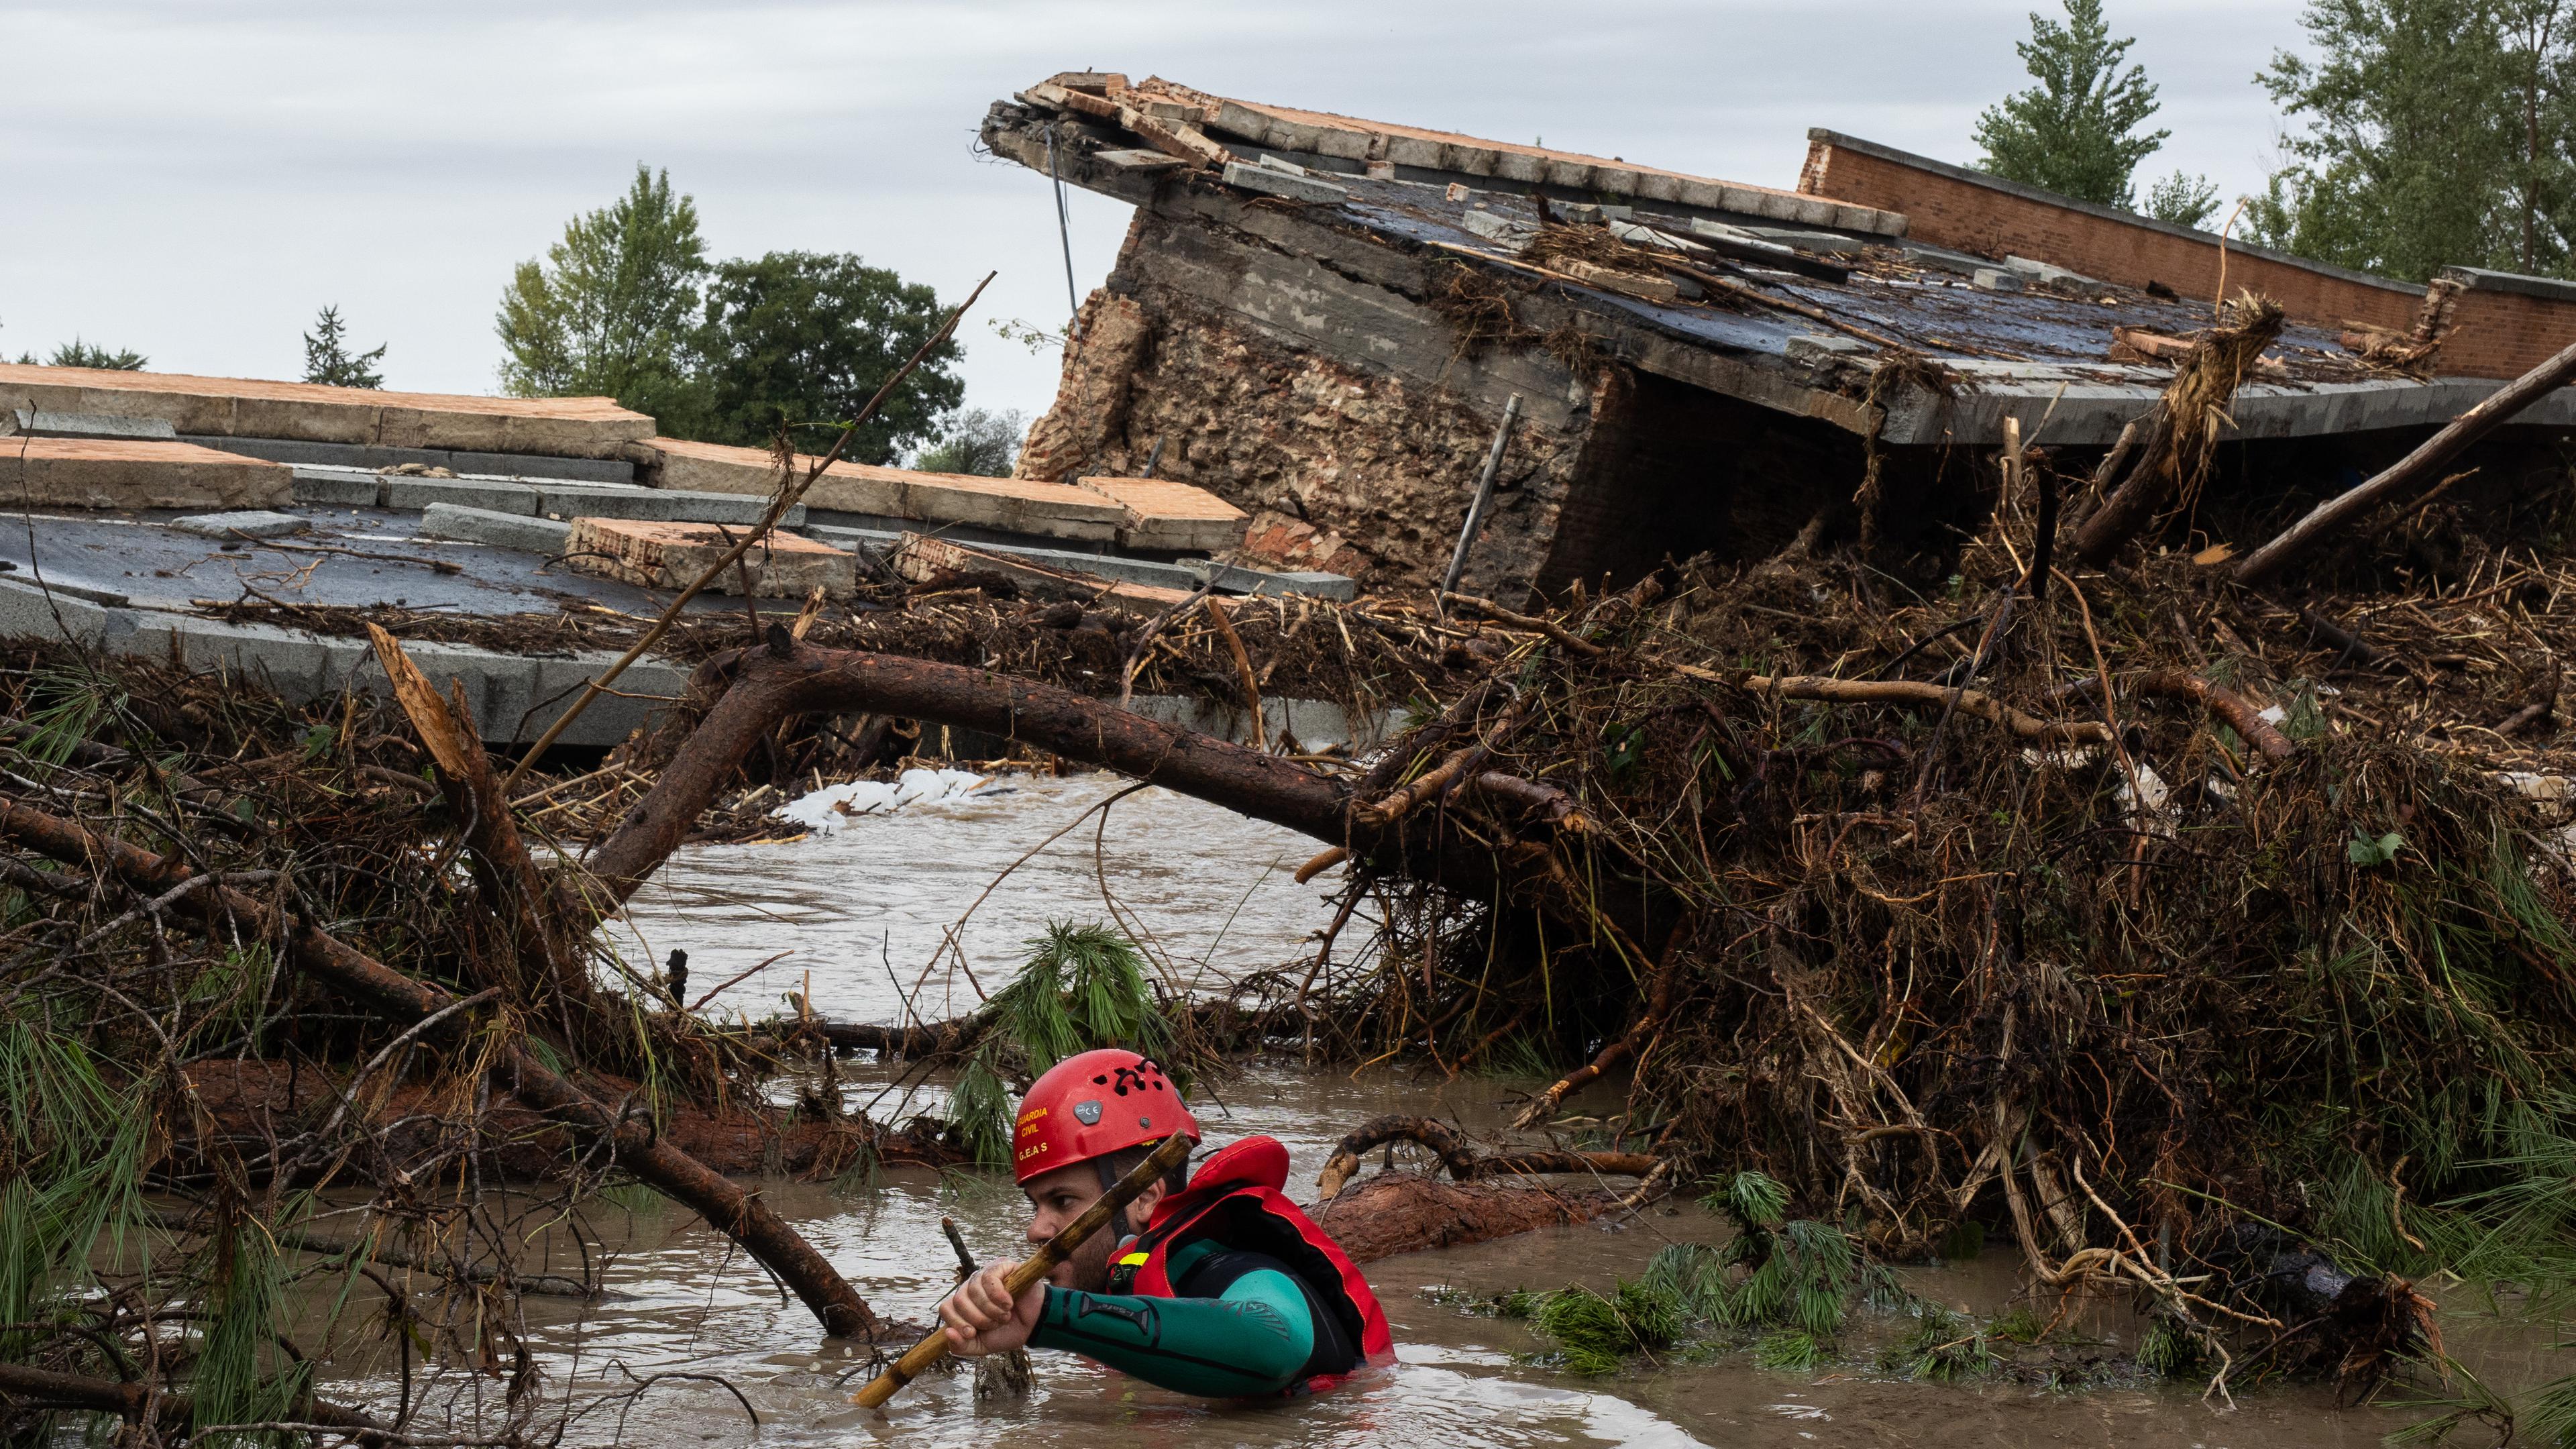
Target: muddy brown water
pixel 868 908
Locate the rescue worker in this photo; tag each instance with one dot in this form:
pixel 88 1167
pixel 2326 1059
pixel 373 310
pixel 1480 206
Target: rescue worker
pixel 1214 1284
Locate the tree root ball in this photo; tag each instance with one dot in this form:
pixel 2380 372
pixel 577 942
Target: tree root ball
pixel 1404 1212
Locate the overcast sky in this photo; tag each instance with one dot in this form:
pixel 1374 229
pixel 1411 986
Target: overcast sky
pixel 194 178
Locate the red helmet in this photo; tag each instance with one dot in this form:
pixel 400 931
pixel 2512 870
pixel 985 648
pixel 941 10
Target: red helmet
pixel 1091 1105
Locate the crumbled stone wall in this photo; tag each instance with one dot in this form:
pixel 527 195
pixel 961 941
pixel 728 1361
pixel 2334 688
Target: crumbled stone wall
pixel 1328 407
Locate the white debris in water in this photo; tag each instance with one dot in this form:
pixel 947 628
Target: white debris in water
pixel 834 807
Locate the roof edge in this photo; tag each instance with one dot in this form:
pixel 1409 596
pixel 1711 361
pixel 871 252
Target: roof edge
pixel 1972 177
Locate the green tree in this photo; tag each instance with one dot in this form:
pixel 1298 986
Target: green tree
pixel 607 313
pixel 77 353
pixel 2181 199
pixel 2074 132
pixel 978 442
pixel 2437 134
pixel 802 339
pixel 2538 38
pixel 328 361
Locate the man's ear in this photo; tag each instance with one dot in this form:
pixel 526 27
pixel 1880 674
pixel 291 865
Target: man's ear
pixel 1141 1210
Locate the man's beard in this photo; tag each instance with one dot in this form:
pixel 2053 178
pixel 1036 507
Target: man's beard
pixel 1087 1270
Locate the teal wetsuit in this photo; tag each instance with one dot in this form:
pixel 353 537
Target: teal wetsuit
pixel 1256 1334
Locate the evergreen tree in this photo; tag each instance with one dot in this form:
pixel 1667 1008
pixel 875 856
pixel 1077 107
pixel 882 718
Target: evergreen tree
pixel 2074 132
pixel 328 361
pixel 77 353
pixel 607 313
pixel 803 339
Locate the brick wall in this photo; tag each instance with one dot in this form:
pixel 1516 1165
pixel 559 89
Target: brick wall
pixel 2502 327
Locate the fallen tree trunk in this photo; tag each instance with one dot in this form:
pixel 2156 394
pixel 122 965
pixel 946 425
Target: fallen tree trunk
pixel 23 1385
pixel 513 1069
pixel 503 870
pixel 762 687
pixel 1465 1163
pixel 2497 409
pixel 2173 450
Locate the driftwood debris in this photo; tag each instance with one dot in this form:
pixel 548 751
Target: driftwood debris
pixel 2420 466
pixel 2173 449
pixel 513 1068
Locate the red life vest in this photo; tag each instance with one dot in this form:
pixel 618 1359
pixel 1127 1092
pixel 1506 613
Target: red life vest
pixel 1235 1198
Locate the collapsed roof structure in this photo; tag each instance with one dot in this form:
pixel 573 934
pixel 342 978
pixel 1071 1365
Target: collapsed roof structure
pixel 1323 319
pixel 151 509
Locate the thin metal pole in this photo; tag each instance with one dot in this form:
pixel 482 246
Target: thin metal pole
pixel 1064 231
pixel 1484 495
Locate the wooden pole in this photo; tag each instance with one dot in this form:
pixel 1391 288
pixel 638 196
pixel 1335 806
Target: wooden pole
pixel 931 1350
pixel 2498 408
pixel 1484 495
pixel 791 488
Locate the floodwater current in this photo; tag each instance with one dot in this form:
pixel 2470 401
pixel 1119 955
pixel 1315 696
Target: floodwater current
pixel 865 912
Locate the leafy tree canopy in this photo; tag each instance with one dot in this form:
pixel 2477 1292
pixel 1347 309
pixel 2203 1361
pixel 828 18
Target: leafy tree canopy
pixel 2181 199
pixel 977 441
pixel 627 306
pixel 328 361
pixel 803 339
pixel 2074 133
pixel 2438 133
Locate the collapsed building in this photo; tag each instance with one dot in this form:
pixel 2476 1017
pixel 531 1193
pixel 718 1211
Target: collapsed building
pixel 251 526
pixel 1324 320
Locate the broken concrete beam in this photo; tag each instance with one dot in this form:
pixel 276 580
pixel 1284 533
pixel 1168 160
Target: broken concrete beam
pixel 1179 139
pixel 2051 275
pixel 1230 579
pixel 513 697
pixel 37 423
pixel 414 494
pixel 255 523
pixel 1185 575
pixel 100 473
pixel 251 408
pixel 466 463
pixel 922 559
pixel 338 488
pixel 672 555
pixel 1815 349
pixel 1177 517
pixel 1138 160
pixel 1501 230
pixel 1018 505
pixel 499 530
pixel 659 505
pixel 1280 183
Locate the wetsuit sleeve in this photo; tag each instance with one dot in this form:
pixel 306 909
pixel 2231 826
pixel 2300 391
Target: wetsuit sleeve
pixel 1254 1340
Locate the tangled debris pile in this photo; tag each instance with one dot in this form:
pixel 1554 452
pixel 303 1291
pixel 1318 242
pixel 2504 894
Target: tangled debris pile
pixel 2172 930
pixel 2125 920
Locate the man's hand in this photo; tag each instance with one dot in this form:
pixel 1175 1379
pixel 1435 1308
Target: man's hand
pixel 980 1317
